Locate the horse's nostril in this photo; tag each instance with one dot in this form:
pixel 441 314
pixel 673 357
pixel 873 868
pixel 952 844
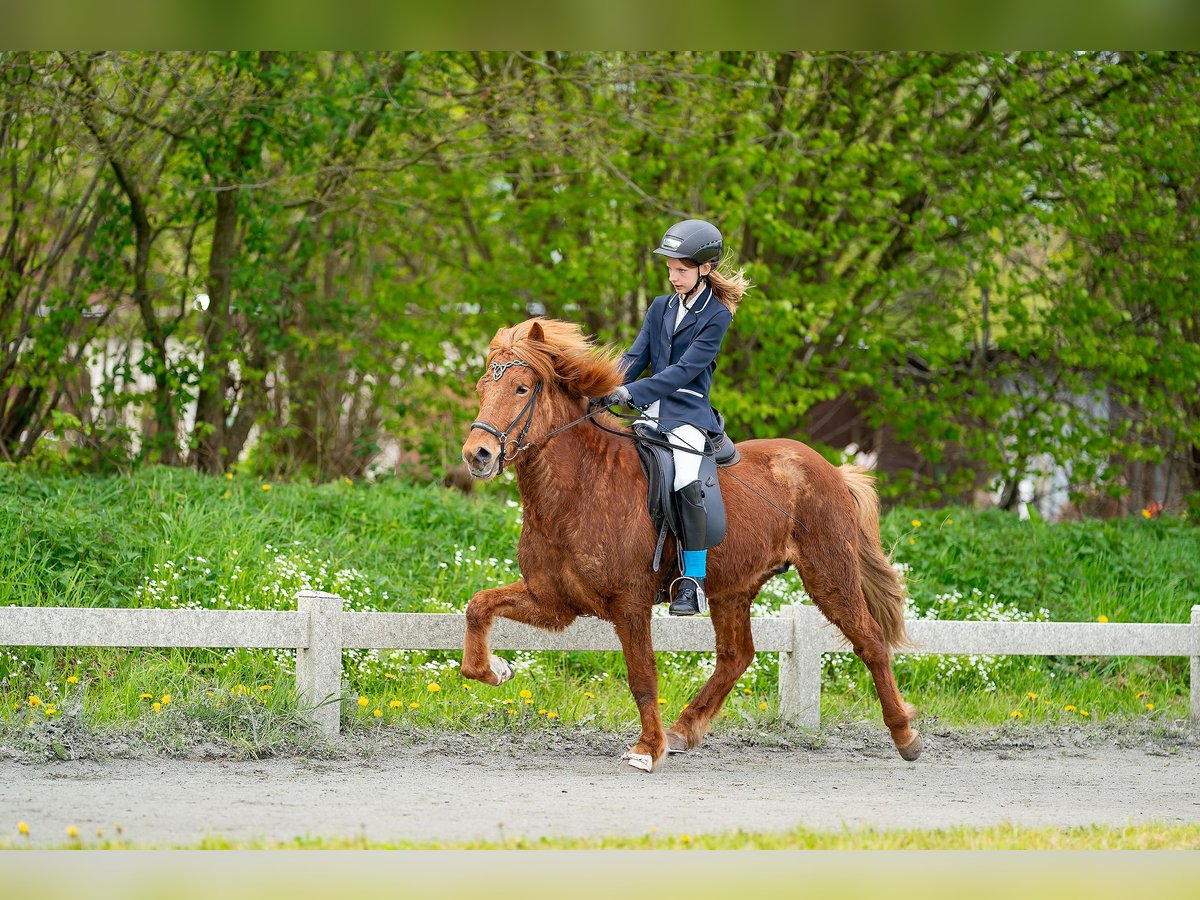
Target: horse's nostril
pixel 483 456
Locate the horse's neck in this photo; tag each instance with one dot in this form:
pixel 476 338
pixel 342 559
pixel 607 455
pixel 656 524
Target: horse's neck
pixel 564 477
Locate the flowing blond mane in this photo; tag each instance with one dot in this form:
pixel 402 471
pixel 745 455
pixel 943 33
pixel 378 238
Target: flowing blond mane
pixel 560 354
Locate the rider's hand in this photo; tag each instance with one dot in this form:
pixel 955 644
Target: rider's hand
pixel 620 395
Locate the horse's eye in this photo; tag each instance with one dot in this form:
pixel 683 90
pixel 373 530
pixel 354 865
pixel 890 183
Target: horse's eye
pixel 521 389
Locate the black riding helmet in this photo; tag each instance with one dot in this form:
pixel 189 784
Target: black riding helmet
pixel 692 239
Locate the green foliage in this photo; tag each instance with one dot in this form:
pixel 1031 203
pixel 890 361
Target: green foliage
pixel 990 255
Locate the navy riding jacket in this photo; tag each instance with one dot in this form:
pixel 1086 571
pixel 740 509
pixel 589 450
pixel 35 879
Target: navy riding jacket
pixel 683 359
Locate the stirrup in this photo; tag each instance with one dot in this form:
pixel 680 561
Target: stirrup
pixel 679 602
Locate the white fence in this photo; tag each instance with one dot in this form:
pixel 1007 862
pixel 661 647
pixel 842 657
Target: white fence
pixel 319 630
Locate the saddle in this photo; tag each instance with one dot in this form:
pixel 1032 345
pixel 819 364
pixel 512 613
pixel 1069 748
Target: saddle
pixel 659 465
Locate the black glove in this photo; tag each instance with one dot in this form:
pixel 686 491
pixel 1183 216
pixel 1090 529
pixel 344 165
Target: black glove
pixel 620 395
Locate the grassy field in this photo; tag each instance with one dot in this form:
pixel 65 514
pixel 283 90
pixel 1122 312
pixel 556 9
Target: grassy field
pixel 1152 836
pixel 170 538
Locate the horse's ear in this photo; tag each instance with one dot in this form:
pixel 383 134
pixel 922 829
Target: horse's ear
pixel 536 334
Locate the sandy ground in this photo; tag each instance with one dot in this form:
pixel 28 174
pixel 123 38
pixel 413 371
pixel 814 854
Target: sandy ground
pixel 455 788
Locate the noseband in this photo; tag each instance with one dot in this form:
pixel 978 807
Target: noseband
pixel 525 413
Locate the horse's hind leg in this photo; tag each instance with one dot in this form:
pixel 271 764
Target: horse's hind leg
pixel 837 592
pixel 735 652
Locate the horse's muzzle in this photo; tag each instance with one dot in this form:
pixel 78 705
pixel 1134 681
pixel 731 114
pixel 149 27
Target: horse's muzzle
pixel 481 462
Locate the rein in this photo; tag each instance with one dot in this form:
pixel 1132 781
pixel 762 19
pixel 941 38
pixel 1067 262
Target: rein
pixel 526 413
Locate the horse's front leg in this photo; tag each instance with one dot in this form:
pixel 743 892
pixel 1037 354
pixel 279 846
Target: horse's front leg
pixel 513 601
pixel 633 630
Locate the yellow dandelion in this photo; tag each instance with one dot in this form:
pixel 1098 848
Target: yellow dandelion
pixel 1146 514
pixel 912 540
pixel 525 695
pixel 389 676
pixel 1150 706
pixel 71 679
pixel 226 495
pixel 466 687
pixel 1030 695
pixel 166 699
pixel 414 705
pixel 762 705
pixel 685 838
pixel 210 693
pixel 266 487
pixel 34 700
pixel 1143 695
pixel 364 702
pixel 1069 708
pixel 1102 618
pixel 23 828
pixel 72 831
pixel 528 702
pixel 541 712
pixel 266 687
pixel 589 695
pixel 51 709
pixel 347 480
pixel 662 701
pixel 552 715
pixel 747 691
pixel 507 701
pixel 378 712
pixel 1084 712
pixel 156 706
pixel 916 523
pixel 1016 714
pixel 433 687
pixel 145 696
pixel 949 521
pixel 510 710
pixel 229 476
pixel 395 704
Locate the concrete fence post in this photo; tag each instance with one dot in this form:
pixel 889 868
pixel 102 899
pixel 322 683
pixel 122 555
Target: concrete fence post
pixel 1195 684
pixel 319 665
pixel 800 669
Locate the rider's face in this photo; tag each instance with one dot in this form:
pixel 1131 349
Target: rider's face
pixel 684 275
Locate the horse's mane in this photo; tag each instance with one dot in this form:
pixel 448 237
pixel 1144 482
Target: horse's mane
pixel 560 354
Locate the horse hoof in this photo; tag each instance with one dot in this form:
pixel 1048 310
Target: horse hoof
pixel 501 669
pixel 641 761
pixel 912 749
pixel 676 743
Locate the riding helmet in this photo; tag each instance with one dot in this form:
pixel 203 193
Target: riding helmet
pixel 692 239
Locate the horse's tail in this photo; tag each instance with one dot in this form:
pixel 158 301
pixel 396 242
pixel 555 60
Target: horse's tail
pixel 881 584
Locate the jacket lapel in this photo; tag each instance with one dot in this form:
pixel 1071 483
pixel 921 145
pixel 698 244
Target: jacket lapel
pixel 667 327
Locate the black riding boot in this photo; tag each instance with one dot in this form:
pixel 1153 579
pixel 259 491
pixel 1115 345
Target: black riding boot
pixel 689 598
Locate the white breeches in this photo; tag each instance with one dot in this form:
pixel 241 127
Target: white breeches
pixel 687 464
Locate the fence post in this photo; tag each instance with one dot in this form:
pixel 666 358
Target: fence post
pixel 319 665
pixel 1195 685
pixel 800 669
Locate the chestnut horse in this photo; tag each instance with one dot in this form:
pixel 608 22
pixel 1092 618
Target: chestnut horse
pixel 587 541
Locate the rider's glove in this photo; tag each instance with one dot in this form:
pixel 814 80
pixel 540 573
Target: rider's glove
pixel 620 395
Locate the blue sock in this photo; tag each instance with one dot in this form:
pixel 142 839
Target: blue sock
pixel 695 563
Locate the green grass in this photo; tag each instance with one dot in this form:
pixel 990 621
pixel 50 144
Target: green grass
pixel 170 538
pixel 1151 836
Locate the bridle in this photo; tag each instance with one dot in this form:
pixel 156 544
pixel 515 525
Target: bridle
pixel 526 413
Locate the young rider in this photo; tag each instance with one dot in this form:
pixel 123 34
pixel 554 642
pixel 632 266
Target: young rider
pixel 680 339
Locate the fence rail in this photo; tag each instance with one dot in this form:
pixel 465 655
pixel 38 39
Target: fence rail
pixel 319 630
